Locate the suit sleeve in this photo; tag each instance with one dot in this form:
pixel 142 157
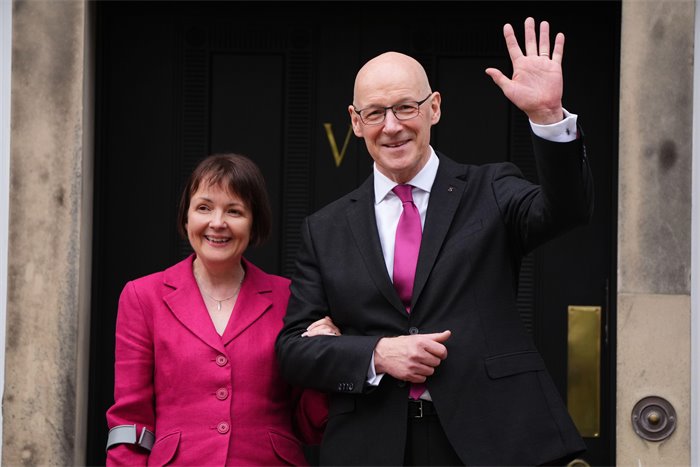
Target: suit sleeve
pixel 133 378
pixel 563 199
pixel 326 363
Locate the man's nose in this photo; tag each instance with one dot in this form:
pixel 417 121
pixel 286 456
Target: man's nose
pixel 390 121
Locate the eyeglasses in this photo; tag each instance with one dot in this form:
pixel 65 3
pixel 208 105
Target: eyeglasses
pixel 375 115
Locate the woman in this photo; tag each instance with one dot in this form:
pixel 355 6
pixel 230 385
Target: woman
pixel 196 379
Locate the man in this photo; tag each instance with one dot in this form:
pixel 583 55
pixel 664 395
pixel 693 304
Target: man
pixel 434 366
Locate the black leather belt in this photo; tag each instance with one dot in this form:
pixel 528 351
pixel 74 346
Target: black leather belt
pixel 420 408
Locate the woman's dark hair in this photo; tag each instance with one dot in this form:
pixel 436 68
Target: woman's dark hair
pixel 240 176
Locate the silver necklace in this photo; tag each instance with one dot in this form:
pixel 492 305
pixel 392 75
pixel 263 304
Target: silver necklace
pixel 220 301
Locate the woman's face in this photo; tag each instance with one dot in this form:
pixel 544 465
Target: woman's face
pixel 218 225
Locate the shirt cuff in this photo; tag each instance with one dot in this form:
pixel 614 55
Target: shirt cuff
pixel 561 132
pixel 373 378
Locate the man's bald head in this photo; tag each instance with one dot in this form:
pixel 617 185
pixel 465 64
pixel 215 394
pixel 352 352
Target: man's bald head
pixel 390 72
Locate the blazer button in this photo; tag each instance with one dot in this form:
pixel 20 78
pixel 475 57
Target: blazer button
pixel 221 360
pixel 401 383
pixel 413 330
pixel 223 428
pixel 222 394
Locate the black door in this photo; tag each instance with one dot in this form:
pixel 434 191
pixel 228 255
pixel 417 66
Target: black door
pixel 176 81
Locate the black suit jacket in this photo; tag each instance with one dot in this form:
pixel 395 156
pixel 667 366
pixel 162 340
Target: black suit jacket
pixel 493 394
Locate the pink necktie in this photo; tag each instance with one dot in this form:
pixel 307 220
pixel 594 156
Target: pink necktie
pixel 408 236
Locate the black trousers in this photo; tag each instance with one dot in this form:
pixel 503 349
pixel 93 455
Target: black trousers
pixel 426 442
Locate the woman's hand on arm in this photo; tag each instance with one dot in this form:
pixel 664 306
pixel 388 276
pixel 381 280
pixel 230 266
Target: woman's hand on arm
pixel 322 327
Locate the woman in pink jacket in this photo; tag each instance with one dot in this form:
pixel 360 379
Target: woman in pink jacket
pixel 196 377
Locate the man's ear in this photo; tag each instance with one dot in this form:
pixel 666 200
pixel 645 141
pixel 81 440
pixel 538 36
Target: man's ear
pixel 435 106
pixel 355 121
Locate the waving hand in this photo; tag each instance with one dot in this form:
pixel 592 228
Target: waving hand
pixel 537 84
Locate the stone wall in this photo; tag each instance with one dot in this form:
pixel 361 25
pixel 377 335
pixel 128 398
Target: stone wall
pixel 655 189
pixel 49 247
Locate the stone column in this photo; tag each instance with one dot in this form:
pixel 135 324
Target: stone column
pixel 654 220
pixel 44 402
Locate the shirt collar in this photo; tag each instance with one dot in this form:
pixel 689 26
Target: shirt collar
pixel 423 179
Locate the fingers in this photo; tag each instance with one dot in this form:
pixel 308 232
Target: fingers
pixel 511 43
pixel 442 336
pixel 428 354
pixel 544 39
pixel 320 331
pixel 530 37
pixel 319 323
pixel 420 373
pixel 410 358
pixel 435 348
pixel 498 77
pixel 558 53
pixel 532 48
pixel 322 327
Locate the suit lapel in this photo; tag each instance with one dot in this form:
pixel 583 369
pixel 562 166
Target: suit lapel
pixel 185 302
pixel 363 225
pixel 445 196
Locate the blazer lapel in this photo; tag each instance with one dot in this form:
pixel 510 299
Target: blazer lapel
pixel 252 302
pixel 445 196
pixel 362 223
pixel 185 302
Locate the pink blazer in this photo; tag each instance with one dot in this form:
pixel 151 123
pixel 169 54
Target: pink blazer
pixel 209 399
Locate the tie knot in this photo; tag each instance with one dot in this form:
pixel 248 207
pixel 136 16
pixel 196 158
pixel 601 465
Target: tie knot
pixel 404 192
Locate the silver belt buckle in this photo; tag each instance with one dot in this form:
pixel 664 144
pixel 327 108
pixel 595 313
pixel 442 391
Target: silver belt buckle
pixel 420 409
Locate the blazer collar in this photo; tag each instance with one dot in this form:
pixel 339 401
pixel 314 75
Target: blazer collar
pixel 186 303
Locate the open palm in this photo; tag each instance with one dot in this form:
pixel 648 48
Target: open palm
pixel 537 84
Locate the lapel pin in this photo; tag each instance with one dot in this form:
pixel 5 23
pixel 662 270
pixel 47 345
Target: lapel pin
pixel 451 189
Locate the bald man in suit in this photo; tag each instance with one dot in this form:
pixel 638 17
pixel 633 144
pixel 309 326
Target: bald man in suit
pixel 484 395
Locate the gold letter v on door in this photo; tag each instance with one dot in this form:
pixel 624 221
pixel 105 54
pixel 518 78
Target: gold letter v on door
pixel 337 155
